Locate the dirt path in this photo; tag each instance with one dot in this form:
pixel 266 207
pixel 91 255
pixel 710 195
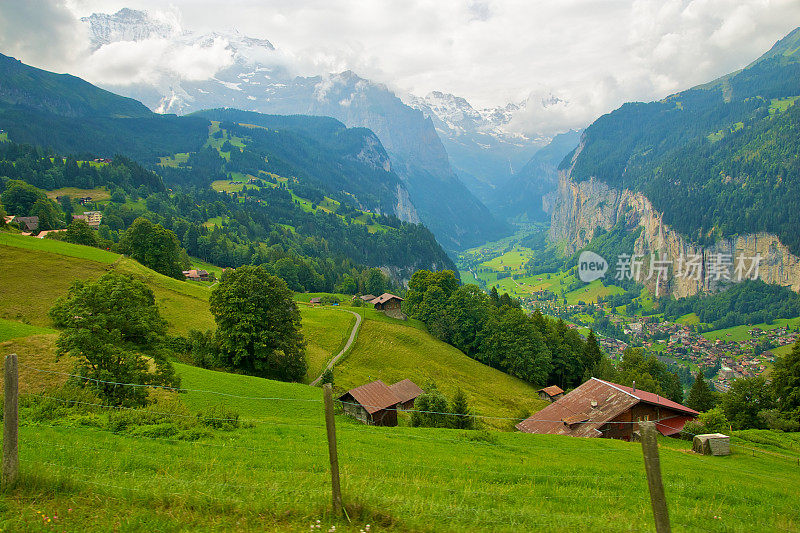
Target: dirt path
pixel 353 335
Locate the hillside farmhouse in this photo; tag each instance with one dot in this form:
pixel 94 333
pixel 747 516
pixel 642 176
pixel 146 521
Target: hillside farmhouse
pixel 551 393
pixel 603 409
pixel 389 304
pixel 376 403
pixel 196 275
pixel 27 223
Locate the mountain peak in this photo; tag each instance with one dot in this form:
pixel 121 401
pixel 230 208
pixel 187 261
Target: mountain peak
pixel 129 25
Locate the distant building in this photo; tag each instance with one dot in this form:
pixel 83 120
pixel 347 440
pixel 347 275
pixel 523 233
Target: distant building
pixel 389 304
pixel 93 218
pixel 315 301
pixel 551 393
pixel 28 224
pixel 367 298
pixel 603 409
pixel 196 275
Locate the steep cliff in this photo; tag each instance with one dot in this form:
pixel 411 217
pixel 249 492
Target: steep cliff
pixel 580 207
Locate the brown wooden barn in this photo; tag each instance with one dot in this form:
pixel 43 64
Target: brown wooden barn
pixel 373 403
pixel 551 393
pixel 377 404
pixel 406 392
pixel 603 409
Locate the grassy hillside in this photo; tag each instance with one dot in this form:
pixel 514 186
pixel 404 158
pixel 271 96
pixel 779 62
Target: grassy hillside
pixel 393 352
pixel 274 475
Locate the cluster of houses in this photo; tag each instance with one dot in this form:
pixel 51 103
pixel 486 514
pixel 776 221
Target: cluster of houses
pixel 30 225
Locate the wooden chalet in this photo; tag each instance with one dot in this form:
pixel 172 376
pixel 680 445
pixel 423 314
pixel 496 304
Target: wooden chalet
pixel 551 393
pixel 377 403
pixel 603 409
pixel 367 298
pixel 315 301
pixel 406 392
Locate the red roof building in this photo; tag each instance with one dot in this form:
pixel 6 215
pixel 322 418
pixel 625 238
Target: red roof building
pixel 603 409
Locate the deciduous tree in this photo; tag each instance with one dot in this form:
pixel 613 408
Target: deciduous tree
pixel 258 325
pixel 107 324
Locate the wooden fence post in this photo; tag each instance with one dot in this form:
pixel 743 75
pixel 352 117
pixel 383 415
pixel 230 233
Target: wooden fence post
pixel 10 422
pixel 652 465
pixel 332 453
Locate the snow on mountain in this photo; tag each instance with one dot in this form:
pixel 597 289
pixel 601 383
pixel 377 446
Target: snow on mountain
pixel 483 147
pixel 128 25
pixel 249 75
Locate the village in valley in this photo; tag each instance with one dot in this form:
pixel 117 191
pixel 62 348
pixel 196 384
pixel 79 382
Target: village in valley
pixel 723 355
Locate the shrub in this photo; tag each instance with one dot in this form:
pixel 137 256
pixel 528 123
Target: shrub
pixel 219 417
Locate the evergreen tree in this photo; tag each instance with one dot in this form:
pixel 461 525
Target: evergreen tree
pixel 700 396
pixel 462 417
pixel 591 352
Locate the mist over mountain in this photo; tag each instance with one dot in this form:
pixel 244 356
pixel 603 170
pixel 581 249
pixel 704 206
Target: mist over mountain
pixel 254 80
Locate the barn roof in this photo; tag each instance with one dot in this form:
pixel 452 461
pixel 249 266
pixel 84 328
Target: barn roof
pixel 385 297
pixel 406 390
pixel 552 390
pixel 581 412
pixel 373 397
pixel 367 297
pixel 584 410
pixel 654 399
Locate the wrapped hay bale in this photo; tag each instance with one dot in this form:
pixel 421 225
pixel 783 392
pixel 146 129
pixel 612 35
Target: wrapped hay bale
pixel 712 444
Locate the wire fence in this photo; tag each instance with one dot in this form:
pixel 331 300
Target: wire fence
pixel 463 478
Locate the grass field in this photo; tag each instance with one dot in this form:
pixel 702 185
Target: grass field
pixel 57 247
pixel 10 329
pixel 98 194
pixel 326 329
pixel 274 475
pixel 740 333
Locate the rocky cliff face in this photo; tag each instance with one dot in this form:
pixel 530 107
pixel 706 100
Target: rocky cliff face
pixel 580 207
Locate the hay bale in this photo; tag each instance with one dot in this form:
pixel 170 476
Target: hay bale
pixel 712 444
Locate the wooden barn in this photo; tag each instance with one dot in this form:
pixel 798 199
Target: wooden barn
pixel 406 392
pixel 603 409
pixel 551 393
pixel 373 403
pixel 377 404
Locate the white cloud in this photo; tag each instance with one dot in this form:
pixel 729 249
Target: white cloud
pixel 43 32
pixel 155 61
pixel 592 54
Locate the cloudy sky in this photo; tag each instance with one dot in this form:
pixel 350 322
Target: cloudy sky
pixel 591 54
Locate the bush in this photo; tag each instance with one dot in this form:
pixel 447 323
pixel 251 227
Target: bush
pixel 219 417
pixel 327 377
pixel 712 421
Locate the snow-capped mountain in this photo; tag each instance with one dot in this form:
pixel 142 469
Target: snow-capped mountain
pixel 128 25
pixel 250 77
pixel 483 148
